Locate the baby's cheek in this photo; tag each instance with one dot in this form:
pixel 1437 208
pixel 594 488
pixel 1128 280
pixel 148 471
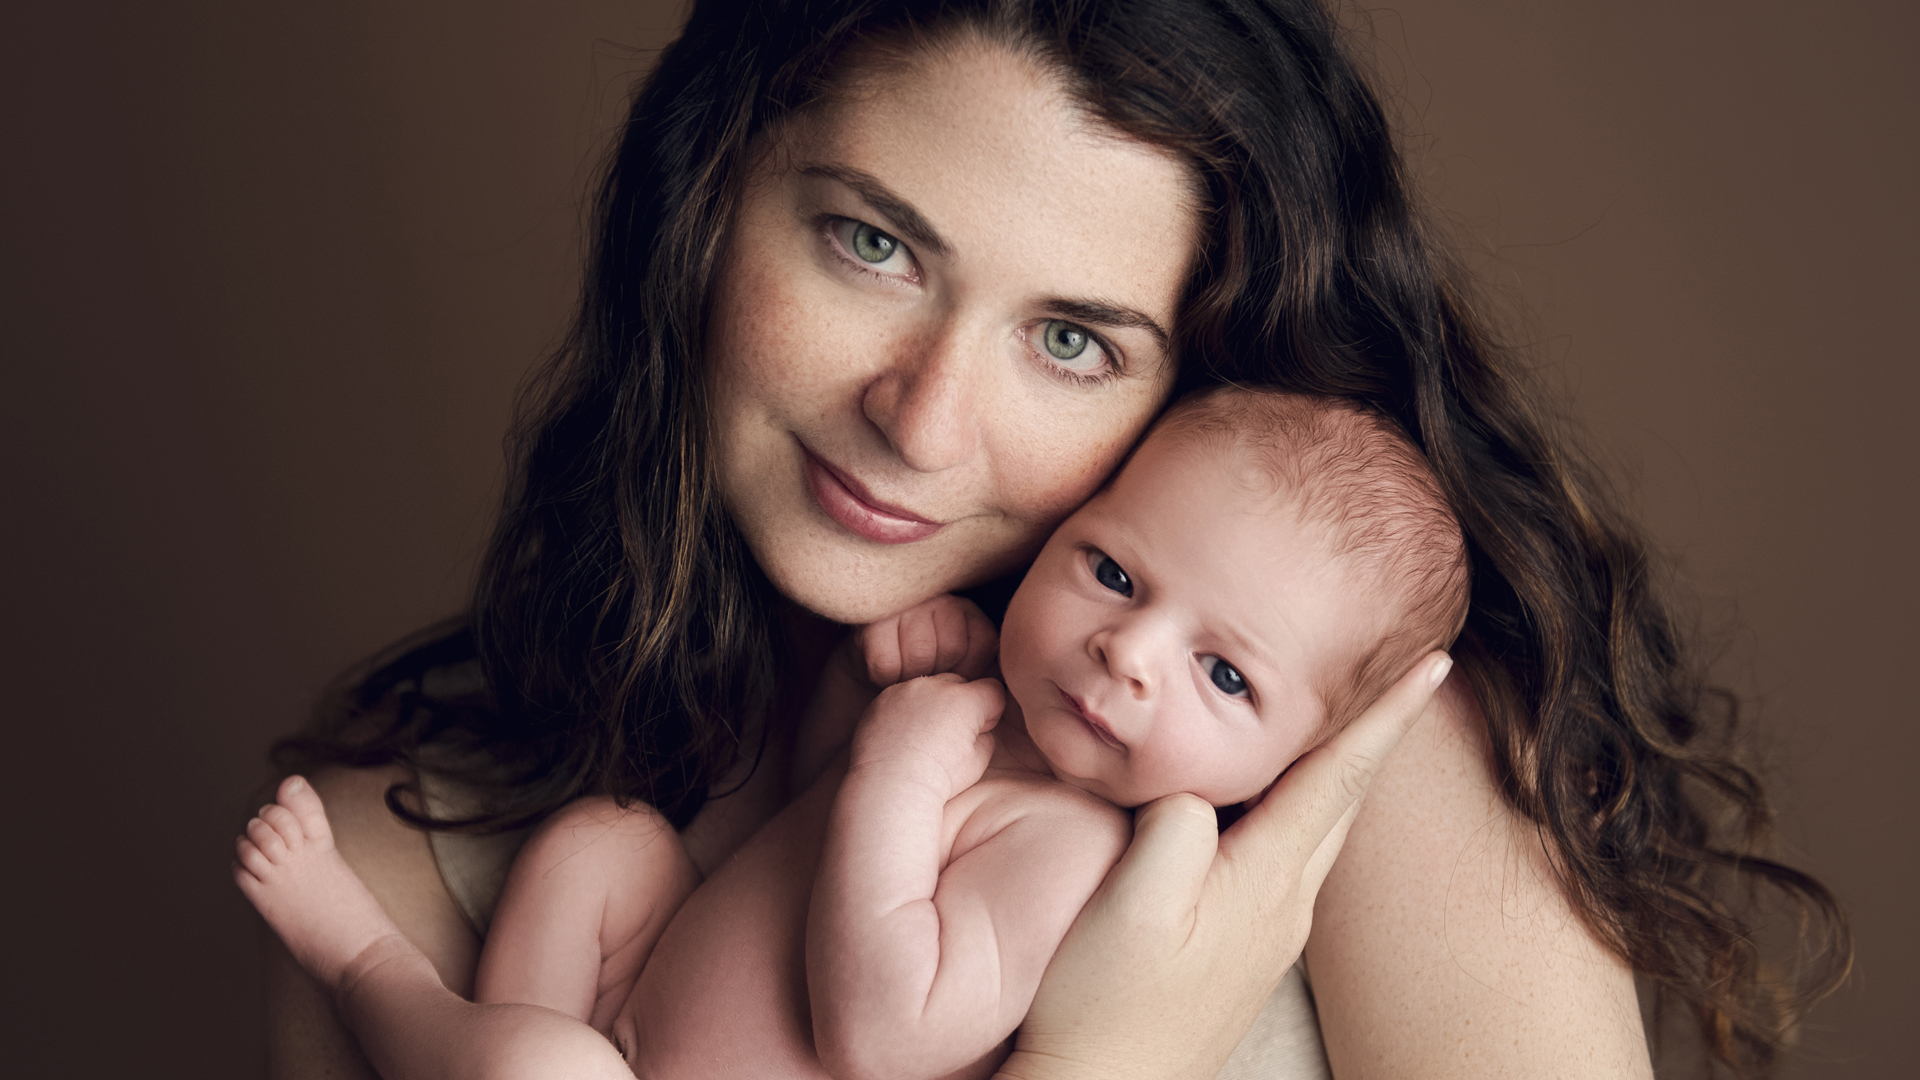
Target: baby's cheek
pixel 1236 782
pixel 1236 765
pixel 1016 644
pixel 1270 760
pixel 1037 628
pixel 1183 761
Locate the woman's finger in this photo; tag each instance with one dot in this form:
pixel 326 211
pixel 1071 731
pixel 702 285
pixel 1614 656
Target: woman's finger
pixel 1128 949
pixel 1314 874
pixel 1179 938
pixel 1165 868
pixel 1285 833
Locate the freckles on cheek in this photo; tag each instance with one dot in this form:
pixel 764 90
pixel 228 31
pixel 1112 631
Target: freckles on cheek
pixel 1069 453
pixel 807 347
pixel 1052 481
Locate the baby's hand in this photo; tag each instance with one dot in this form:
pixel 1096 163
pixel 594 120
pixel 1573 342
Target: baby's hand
pixel 938 729
pixel 943 634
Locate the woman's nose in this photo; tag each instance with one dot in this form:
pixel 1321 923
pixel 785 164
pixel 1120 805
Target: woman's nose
pixel 926 402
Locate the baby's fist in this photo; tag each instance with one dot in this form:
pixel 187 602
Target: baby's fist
pixel 943 634
pixel 939 727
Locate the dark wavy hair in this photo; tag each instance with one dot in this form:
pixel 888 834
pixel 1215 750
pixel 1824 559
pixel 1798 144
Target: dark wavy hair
pixel 628 638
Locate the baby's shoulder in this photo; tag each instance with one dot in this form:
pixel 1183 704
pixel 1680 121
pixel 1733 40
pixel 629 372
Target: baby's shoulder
pixel 1052 811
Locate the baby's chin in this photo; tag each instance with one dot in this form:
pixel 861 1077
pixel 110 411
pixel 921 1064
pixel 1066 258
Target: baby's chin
pixel 1118 790
pixel 1133 798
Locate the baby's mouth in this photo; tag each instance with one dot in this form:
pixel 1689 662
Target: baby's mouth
pixel 1095 723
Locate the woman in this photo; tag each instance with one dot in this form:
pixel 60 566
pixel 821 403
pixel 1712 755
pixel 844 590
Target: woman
pixel 881 291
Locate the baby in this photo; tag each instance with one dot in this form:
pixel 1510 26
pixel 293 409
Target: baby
pixel 1260 569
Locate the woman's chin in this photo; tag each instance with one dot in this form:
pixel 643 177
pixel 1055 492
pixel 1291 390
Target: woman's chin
pixel 854 582
pixel 854 591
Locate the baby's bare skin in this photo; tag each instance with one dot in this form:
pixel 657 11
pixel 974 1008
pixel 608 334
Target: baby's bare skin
pixel 410 1025
pixel 986 879
pixel 940 804
pixel 896 919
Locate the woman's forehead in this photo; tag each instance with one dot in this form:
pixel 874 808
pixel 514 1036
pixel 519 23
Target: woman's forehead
pixel 990 150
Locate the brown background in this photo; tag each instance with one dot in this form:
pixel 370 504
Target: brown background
pixel 272 274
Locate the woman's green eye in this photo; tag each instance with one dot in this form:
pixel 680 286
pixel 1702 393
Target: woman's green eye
pixel 1064 340
pixel 872 245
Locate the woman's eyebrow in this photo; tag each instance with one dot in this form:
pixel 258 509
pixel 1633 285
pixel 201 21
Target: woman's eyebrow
pixel 900 213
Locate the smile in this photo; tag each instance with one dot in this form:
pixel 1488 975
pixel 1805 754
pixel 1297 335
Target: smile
pixel 847 502
pixel 1094 722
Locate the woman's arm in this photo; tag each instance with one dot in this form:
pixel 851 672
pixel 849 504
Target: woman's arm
pixel 305 1038
pixel 1442 946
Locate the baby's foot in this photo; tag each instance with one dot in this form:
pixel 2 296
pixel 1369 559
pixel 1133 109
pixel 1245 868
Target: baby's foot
pixel 309 895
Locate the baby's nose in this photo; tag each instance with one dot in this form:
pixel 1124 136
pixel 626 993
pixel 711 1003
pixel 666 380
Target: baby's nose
pixel 1129 659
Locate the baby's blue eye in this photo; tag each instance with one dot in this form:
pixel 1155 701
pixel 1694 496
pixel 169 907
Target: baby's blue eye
pixel 1108 573
pixel 1226 677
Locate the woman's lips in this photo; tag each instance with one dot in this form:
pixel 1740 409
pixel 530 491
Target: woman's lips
pixel 1093 721
pixel 846 502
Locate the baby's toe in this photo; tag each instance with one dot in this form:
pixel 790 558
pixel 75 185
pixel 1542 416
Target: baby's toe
pixel 299 797
pixel 286 823
pixel 268 839
pixel 252 861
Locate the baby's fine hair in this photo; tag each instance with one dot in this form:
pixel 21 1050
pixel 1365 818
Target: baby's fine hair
pixel 1354 472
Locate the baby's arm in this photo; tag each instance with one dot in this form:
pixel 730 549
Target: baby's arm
pixel 915 969
pixel 588 896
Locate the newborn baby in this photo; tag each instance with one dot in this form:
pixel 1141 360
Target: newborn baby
pixel 1261 568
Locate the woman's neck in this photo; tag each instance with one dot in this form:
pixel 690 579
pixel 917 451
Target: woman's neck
pixel 756 788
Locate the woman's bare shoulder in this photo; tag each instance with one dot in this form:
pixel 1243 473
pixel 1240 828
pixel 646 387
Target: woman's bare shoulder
pixel 305 1038
pixel 1442 934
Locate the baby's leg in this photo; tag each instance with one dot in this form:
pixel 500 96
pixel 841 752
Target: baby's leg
pixel 586 900
pixel 411 1026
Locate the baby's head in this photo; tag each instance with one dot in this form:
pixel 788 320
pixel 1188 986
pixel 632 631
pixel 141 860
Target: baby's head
pixel 1262 567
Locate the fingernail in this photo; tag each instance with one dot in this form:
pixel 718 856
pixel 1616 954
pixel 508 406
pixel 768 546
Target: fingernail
pixel 1439 673
pixel 295 783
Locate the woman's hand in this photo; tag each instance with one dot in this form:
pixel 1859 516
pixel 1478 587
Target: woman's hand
pixel 1172 959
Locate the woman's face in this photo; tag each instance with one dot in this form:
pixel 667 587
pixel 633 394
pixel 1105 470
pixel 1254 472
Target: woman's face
pixel 939 321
